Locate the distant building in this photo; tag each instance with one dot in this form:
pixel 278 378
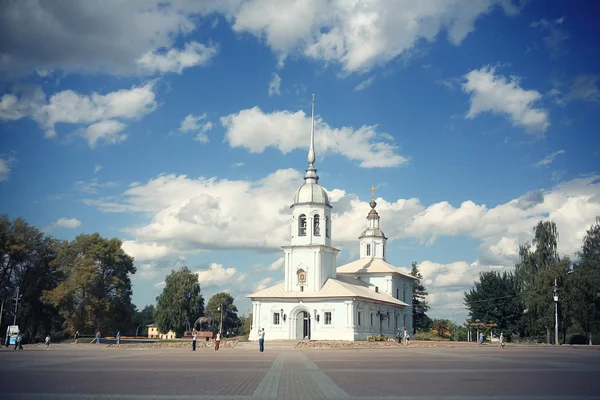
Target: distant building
pixel 153 333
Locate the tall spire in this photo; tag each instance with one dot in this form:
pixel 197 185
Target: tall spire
pixel 311 172
pixel 311 149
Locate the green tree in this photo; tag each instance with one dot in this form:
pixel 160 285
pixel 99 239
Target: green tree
pixel 584 284
pixel 230 318
pixel 26 256
pixel 494 298
pixel 421 322
pixel 143 318
pixel 245 324
pixel 179 303
pixel 536 273
pixel 95 288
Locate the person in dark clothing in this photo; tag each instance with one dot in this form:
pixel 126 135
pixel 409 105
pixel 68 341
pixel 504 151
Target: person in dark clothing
pixel 195 335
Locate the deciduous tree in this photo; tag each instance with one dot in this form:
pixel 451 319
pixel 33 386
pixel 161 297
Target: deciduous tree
pixel 230 318
pixel 494 298
pixel 179 303
pixel 95 288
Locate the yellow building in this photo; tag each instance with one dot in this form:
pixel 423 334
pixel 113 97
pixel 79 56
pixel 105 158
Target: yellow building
pixel 153 333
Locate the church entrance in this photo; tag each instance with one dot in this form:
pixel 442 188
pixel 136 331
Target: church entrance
pixel 303 325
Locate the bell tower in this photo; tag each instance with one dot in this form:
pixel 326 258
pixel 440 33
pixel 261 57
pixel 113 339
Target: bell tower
pixel 310 260
pixel 372 240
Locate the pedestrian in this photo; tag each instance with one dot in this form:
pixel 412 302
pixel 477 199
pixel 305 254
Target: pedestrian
pixel 98 337
pixel 261 339
pixel 18 341
pixel 194 336
pixel 501 339
pixel 76 337
pixel 118 337
pixel 217 340
pixel 399 336
pixel 47 341
pixel 404 336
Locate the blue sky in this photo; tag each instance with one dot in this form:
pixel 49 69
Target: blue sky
pixel 182 129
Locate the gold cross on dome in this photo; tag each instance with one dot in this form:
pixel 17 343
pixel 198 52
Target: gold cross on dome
pixel 372 192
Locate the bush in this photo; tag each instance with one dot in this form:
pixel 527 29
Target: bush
pixel 577 338
pixel 428 336
pixel 378 338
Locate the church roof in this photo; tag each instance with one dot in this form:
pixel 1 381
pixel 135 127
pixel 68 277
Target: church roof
pixel 311 193
pixel 371 266
pixel 342 286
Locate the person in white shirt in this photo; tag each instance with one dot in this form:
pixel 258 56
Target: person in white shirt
pixel 261 339
pixel 218 341
pixel 194 336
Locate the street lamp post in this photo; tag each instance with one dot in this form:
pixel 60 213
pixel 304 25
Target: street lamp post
pixel 555 312
pixel 221 323
pixel 16 299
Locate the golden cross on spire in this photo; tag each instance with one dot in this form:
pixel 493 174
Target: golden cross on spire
pixel 372 192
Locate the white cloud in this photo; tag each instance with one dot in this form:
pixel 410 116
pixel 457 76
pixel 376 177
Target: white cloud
pixel 100 114
pixel 585 87
pixel 65 223
pixel 192 123
pixel 358 35
pixel 556 37
pixel 364 84
pixel 276 265
pixel 499 95
pixel 92 186
pixel 217 275
pixel 97 168
pixel 263 284
pixel 174 60
pixel 287 131
pixel 238 164
pixel 108 131
pixel 549 158
pixel 274 85
pixel 189 215
pixel 96 36
pixel 4 169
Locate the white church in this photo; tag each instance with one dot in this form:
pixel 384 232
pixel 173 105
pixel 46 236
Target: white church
pixel 320 301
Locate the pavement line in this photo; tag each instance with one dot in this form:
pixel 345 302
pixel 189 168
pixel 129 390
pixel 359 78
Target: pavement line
pixel 269 385
pixel 329 389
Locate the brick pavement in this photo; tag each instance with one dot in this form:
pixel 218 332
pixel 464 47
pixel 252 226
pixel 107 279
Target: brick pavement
pixel 175 374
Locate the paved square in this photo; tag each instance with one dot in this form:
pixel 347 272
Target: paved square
pixel 89 372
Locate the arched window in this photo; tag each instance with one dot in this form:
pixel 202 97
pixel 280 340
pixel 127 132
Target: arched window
pixel 327 229
pixel 302 225
pixel 316 225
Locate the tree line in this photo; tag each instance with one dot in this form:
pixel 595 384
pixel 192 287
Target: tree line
pixel 523 303
pixel 59 287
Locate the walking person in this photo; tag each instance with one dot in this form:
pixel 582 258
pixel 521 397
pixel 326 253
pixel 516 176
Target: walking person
pixel 404 336
pixel 18 341
pixel 501 339
pixel 261 339
pixel 399 336
pixel 217 340
pixel 118 337
pixel 47 342
pixel 194 336
pixel 76 337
